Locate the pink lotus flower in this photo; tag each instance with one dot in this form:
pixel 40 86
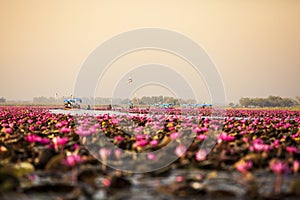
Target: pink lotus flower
pixel 201 155
pixel 71 160
pixel 225 137
pixel 104 153
pixel 174 135
pixel 106 182
pixel 258 145
pixel 32 127
pixel 138 129
pixel 43 140
pixel 141 137
pixel 245 139
pixel 8 130
pixel 59 142
pixel 34 138
pixel 243 166
pixel 201 137
pixel 171 128
pixel 276 143
pixel 30 138
pixel 65 130
pixel 291 149
pixel 151 156
pixel 118 153
pixel 277 166
pixel 243 132
pixel 4 124
pixel 118 138
pixel 180 150
pixel 153 143
pixel 141 143
pixel 179 178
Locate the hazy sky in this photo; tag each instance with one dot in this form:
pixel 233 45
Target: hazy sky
pixel 255 44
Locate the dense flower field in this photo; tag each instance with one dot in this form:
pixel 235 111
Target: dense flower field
pixel 246 153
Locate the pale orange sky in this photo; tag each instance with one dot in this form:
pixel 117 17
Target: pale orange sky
pixel 255 45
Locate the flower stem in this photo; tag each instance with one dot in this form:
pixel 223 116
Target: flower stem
pixel 278 184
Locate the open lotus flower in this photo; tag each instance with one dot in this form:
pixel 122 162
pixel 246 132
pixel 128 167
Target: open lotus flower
pixel 59 142
pixel 151 156
pixel 201 137
pixel 65 130
pixel 225 137
pixel 174 135
pixel 104 153
pixel 118 153
pixel 72 160
pixel 201 155
pixel 259 145
pixel 278 166
pixel 243 166
pixel 8 130
pixel 153 143
pixel 180 150
pixel 118 138
pixel 292 149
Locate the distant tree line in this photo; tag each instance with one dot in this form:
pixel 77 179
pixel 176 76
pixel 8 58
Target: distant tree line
pixel 271 101
pixel 145 100
pixel 161 99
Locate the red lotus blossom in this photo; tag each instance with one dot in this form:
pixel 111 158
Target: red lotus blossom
pixel 141 143
pixel 153 143
pixel 180 150
pixel 4 124
pixel 259 145
pixel 201 155
pixel 8 130
pixel 277 166
pixel 60 140
pixel 118 138
pixel 104 153
pixel 174 135
pixel 65 130
pixel 34 138
pixel 225 137
pixel 244 166
pixel 201 137
pixel 106 182
pixel 151 156
pixel 118 153
pixel 71 160
pixel 276 143
pixel 292 149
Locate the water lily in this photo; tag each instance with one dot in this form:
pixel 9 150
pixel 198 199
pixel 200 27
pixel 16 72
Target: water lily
pixel 174 135
pixel 72 160
pixel 151 156
pixel 225 137
pixel 201 155
pixel 180 150
pixel 243 166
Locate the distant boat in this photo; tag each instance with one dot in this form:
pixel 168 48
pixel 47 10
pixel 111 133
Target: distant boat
pixel 72 103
